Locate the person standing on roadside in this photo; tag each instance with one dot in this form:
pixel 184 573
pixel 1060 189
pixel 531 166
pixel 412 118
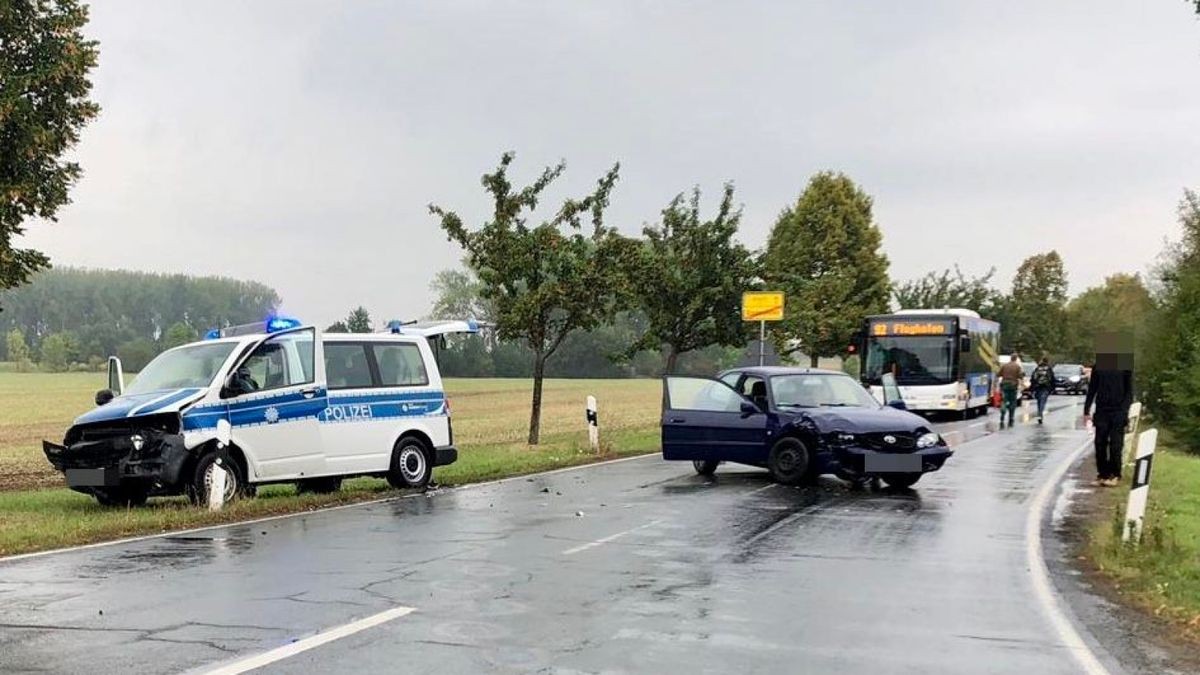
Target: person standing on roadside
pixel 1110 389
pixel 1010 388
pixel 1041 381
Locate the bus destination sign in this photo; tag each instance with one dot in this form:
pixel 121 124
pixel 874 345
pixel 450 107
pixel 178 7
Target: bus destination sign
pixel 911 328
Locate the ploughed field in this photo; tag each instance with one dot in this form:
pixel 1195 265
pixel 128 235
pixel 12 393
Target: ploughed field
pixel 489 414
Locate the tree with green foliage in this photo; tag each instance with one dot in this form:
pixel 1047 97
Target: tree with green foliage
pixel 178 334
pixel 949 288
pixel 136 353
pixel 544 281
pixel 688 276
pixel 45 61
pixel 337 327
pixel 359 321
pixel 824 254
pixel 1036 312
pixel 458 294
pixel 59 351
pixel 1120 305
pixel 18 350
pixel 1168 369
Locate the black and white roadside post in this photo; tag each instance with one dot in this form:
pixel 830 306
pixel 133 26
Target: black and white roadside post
pixel 1131 430
pixel 1135 510
pixel 593 423
pixel 216 489
pixel 762 306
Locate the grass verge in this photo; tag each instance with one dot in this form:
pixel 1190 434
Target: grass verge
pixel 35 520
pixel 1162 575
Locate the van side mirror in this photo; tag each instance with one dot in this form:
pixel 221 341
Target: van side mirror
pixel 749 408
pixel 104 396
pixel 898 404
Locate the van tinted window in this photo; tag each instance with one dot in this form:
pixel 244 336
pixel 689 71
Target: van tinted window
pixel 400 364
pixel 347 365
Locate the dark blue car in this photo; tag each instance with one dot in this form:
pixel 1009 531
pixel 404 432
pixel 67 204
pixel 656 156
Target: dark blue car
pixel 798 423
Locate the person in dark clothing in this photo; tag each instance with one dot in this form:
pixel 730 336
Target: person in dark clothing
pixel 1041 381
pixel 1111 391
pixel 1010 377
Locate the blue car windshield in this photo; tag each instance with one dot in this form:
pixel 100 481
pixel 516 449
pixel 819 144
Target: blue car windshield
pixel 811 390
pixel 193 366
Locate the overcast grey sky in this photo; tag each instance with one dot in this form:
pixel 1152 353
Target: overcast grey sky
pixel 299 143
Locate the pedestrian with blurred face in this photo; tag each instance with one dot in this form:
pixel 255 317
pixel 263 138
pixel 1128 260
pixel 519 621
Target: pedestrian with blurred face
pixel 1041 381
pixel 1110 390
pixel 1010 388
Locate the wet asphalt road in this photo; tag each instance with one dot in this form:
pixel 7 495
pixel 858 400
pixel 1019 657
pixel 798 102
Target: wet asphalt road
pixel 664 571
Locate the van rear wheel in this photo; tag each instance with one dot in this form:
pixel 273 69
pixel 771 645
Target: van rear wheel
pixel 410 467
pixel 705 467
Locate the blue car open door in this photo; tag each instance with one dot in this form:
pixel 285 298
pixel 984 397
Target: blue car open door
pixel 705 419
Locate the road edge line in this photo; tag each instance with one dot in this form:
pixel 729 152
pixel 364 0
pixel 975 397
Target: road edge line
pixel 326 509
pixel 1039 572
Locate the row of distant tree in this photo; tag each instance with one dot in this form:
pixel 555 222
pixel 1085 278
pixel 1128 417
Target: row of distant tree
pixel 75 318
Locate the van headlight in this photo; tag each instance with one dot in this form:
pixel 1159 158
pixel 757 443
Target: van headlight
pixel 928 440
pixel 1074 378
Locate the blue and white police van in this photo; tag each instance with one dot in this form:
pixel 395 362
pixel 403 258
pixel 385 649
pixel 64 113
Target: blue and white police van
pixel 293 405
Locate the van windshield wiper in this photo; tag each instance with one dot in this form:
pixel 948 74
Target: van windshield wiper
pixel 794 405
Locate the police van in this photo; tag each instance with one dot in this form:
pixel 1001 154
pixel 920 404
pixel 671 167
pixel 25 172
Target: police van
pixel 279 402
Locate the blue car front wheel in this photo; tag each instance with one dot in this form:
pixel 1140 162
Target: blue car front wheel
pixel 788 461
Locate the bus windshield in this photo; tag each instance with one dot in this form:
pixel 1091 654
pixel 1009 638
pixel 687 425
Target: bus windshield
pixel 914 360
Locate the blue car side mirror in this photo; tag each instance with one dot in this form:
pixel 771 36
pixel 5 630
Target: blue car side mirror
pixel 749 408
pixel 898 404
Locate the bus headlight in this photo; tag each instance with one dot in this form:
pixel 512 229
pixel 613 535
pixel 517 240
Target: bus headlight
pixel 928 440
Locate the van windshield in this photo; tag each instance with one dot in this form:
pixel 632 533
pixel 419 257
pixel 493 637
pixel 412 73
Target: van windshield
pixel 193 366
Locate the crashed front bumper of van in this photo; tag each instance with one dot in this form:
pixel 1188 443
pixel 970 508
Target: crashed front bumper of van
pixel 100 456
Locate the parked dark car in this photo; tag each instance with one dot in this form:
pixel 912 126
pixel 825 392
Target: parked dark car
pixel 797 423
pixel 1070 378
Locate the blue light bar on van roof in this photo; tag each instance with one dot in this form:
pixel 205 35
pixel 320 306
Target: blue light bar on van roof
pixel 273 324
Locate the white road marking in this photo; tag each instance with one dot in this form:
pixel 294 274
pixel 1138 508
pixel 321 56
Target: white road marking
pixel 1041 574
pixel 605 540
pixel 310 642
pixel 761 489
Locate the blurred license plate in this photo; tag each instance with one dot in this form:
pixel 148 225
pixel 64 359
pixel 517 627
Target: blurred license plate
pixel 91 477
pixel 884 463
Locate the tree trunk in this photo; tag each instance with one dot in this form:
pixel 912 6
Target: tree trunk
pixel 535 411
pixel 672 357
pixel 812 360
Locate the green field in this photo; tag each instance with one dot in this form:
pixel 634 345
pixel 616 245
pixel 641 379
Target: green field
pixel 1162 575
pixel 491 420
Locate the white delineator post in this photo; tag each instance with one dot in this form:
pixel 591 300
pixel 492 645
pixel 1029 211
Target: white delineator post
pixel 1131 430
pixel 1135 510
pixel 216 489
pixel 593 423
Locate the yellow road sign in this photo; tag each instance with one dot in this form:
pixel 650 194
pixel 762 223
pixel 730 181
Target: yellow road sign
pixel 762 306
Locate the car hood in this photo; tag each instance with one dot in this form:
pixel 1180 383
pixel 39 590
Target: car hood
pixel 860 420
pixel 133 405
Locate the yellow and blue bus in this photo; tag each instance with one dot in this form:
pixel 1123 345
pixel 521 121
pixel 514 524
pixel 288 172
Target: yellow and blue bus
pixel 945 360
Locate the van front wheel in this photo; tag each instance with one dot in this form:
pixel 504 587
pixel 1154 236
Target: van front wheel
pixel 410 467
